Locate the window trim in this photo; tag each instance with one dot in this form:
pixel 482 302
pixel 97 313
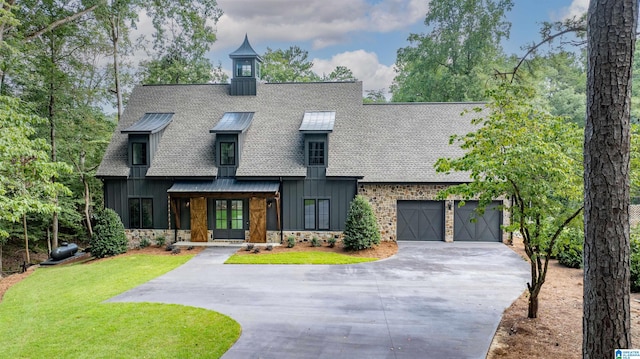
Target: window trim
pixel 316 214
pixel 233 152
pixel 143 148
pixel 139 222
pixel 241 67
pixel 316 156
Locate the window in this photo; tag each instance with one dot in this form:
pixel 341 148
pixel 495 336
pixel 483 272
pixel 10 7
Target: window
pixel 140 213
pixel 139 155
pixel 316 154
pixel 243 69
pixel 316 214
pixel 227 154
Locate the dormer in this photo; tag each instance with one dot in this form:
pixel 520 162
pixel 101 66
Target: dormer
pixel 246 70
pixel 143 139
pixel 230 132
pixel 316 126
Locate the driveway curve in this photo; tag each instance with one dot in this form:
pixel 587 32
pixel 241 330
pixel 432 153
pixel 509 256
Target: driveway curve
pixel 431 300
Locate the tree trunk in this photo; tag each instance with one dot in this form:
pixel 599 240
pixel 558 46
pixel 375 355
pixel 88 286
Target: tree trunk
pixel 26 238
pixel 611 37
pixel 54 155
pixel 87 193
pixel 0 259
pixel 114 22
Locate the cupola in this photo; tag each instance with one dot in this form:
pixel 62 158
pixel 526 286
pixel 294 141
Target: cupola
pixel 246 70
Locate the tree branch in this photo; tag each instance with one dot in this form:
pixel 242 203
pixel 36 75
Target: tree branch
pixel 60 22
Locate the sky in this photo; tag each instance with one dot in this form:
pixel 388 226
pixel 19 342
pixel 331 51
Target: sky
pixel 363 35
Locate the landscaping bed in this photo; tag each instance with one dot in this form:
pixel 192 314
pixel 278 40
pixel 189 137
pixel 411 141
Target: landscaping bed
pixel 384 250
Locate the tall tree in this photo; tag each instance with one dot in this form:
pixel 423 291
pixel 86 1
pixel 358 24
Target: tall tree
pixel 528 155
pixel 290 65
pixel 340 74
pixel 453 62
pixel 611 35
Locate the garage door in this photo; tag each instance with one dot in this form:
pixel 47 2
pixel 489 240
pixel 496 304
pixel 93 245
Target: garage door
pixel 420 220
pixel 485 228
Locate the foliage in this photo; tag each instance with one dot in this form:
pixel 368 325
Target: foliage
pixel 375 96
pixel 635 259
pixel 361 228
pixel 291 241
pixel 109 238
pixel 340 74
pixel 307 257
pixel 249 247
pixel 290 65
pixel 568 248
pixel 315 242
pixel 160 241
pixel 453 62
pixel 530 156
pixel 145 242
pixel 26 170
pixel 332 242
pixel 133 330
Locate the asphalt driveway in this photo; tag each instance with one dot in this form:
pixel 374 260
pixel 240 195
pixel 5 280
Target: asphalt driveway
pixel 431 300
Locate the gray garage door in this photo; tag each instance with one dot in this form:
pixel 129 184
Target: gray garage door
pixel 485 228
pixel 420 220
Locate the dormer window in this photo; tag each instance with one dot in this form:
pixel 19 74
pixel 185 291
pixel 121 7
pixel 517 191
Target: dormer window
pixel 316 153
pixel 139 154
pixel 227 153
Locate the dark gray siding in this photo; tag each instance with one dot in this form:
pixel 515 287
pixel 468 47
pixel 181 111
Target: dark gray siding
pixel 118 192
pixel 243 86
pixel 339 192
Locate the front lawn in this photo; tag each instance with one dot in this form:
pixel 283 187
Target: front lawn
pixel 309 257
pixel 59 313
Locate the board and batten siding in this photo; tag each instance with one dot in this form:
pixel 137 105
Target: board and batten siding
pixel 118 192
pixel 339 192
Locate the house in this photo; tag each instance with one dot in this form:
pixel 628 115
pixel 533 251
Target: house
pixel 259 162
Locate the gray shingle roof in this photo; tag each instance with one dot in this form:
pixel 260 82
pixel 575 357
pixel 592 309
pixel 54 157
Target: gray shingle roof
pixel 380 143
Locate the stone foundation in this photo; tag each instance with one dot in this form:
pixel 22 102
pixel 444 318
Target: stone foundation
pixel 136 235
pixel 303 236
pixel 384 198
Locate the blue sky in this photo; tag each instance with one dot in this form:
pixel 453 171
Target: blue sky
pixel 363 35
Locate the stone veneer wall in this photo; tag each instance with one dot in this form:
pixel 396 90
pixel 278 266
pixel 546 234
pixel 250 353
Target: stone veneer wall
pixel 135 235
pixel 302 236
pixel 384 199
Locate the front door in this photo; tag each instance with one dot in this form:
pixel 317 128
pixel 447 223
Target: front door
pixel 229 219
pixel 199 219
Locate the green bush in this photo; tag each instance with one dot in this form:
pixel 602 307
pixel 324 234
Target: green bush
pixel 315 242
pixel 635 259
pixel 160 241
pixel 361 229
pixel 332 242
pixel 108 237
pixel 145 242
pixel 291 241
pixel 568 248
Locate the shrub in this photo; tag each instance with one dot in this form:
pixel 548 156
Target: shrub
pixel 635 259
pixel 144 242
pixel 291 241
pixel 568 248
pixel 269 247
pixel 249 247
pixel 315 242
pixel 361 229
pixel 332 242
pixel 160 241
pixel 108 237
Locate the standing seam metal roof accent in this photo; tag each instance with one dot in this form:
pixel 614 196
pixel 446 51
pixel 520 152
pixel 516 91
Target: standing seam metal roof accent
pixel 245 50
pixel 318 121
pixel 150 123
pixel 233 122
pixel 226 185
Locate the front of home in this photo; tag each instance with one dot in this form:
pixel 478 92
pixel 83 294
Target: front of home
pixel 259 162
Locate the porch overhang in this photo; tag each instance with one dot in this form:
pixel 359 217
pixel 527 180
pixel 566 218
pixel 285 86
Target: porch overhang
pixel 224 188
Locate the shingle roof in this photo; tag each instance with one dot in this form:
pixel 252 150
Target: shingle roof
pixel 150 123
pixel 380 143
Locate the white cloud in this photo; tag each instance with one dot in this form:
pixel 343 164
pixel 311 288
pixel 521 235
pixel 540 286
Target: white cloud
pixel 365 67
pixel 576 9
pixel 323 22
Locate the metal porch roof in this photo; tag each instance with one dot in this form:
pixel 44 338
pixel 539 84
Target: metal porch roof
pixel 224 185
pixel 150 123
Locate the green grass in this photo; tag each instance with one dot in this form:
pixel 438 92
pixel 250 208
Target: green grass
pixel 59 313
pixel 297 258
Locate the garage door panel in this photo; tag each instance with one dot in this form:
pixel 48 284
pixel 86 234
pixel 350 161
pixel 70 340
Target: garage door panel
pixel 469 226
pixel 420 220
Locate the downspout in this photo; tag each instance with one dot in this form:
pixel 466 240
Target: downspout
pixel 281 214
